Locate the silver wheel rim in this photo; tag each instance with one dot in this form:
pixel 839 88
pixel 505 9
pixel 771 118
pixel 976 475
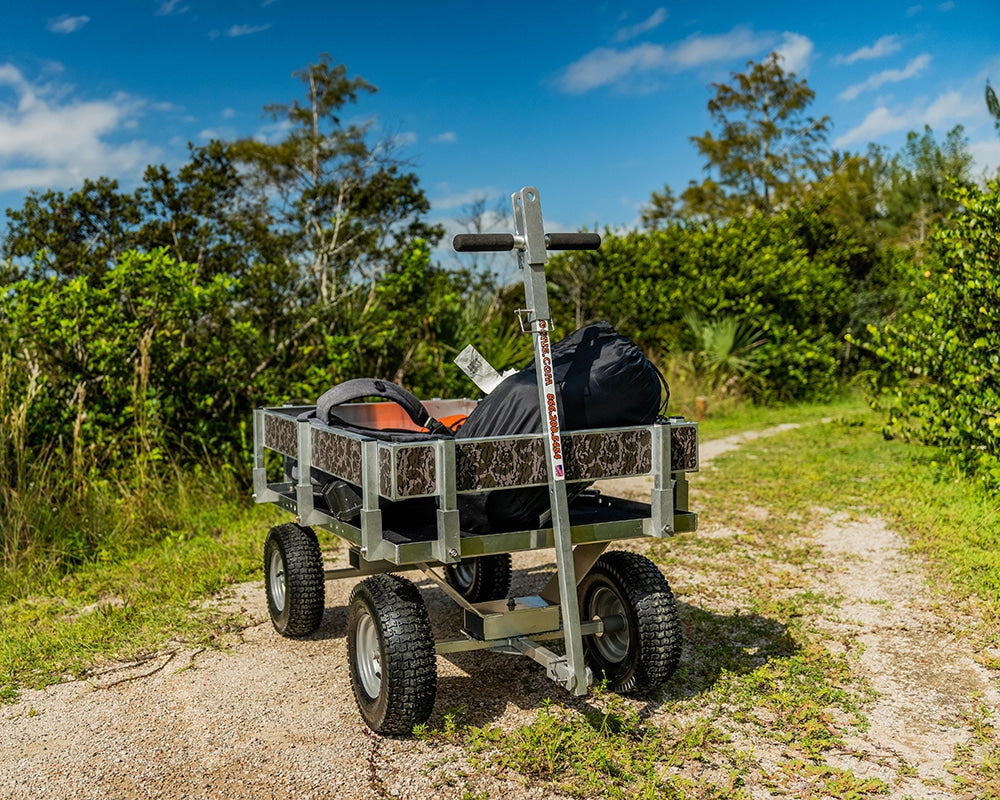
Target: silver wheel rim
pixel 366 655
pixel 611 645
pixel 276 580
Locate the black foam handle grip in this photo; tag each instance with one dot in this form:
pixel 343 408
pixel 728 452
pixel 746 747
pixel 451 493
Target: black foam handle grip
pixel 494 242
pixel 572 241
pixel 483 242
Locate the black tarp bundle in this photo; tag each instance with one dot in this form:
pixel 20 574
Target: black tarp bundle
pixel 604 381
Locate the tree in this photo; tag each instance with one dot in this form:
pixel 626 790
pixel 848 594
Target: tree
pixel 257 272
pixel 478 216
pixel 939 376
pixel 201 214
pixel 993 105
pixel 144 346
pixel 80 233
pixel 766 144
pixel 916 193
pixel 794 278
pixel 204 216
pixel 346 205
pixel 663 207
pixel 850 187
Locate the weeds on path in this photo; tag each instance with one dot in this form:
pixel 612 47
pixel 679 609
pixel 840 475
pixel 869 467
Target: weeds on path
pixel 762 699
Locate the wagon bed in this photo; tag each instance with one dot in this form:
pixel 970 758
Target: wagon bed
pixel 443 468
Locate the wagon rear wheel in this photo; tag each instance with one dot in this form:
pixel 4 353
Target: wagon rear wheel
pixel 294 579
pixel 481 578
pixel 641 646
pixel 390 650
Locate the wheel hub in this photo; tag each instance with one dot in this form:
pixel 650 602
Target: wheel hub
pixel 366 656
pixel 612 645
pixel 276 580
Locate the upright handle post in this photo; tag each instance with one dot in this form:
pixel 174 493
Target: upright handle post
pixel 531 258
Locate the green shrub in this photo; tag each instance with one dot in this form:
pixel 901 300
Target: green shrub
pixel 797 279
pixel 939 379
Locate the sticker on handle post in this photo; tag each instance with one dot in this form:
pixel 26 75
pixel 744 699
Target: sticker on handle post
pixel 552 413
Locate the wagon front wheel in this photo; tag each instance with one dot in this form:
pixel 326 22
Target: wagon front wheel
pixel 641 645
pixel 294 579
pixel 390 649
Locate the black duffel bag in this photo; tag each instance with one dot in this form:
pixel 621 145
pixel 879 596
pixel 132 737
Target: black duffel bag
pixel 604 381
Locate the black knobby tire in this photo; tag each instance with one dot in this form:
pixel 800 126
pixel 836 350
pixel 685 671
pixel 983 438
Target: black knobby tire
pixel 481 578
pixel 641 655
pixel 390 650
pixel 294 580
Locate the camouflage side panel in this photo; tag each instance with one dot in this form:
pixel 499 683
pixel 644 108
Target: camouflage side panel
pixel 280 435
pixel 684 447
pixel 338 455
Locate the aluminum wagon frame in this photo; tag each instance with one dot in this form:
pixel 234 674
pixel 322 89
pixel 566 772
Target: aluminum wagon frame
pixel 396 506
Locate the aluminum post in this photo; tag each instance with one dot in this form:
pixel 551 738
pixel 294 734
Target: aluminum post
pixel 531 255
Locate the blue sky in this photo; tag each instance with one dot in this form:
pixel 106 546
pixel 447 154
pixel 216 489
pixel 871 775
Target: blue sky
pixel 593 103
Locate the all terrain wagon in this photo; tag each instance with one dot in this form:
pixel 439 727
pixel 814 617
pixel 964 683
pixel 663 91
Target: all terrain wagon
pixel 605 613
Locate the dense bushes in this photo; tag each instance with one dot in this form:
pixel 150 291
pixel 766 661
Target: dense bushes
pixel 938 379
pixel 149 357
pixel 117 387
pixel 796 278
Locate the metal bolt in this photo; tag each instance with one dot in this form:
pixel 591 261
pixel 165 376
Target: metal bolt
pixel 453 552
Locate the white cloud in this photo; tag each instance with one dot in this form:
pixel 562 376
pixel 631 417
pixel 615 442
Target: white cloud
pixel 49 141
pixel 216 134
pixel 879 122
pixel 607 66
pixel 796 52
pixel 951 108
pixel 11 76
pixel 885 46
pixel 913 68
pixel 66 24
pixel 942 113
pixel 655 20
pixel 697 50
pixel 273 132
pixel 246 30
pixel 448 137
pixel 403 139
pixel 172 7
pixel 450 200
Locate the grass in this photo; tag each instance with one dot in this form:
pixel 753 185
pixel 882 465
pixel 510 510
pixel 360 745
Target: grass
pixel 134 600
pixel 757 675
pixel 726 420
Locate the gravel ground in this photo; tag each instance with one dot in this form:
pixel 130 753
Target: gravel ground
pixel 275 718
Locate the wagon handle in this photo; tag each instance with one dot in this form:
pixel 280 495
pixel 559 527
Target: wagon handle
pixel 497 242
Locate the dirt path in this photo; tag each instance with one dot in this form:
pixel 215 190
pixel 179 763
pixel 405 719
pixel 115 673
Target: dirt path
pixel 925 680
pixel 275 718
